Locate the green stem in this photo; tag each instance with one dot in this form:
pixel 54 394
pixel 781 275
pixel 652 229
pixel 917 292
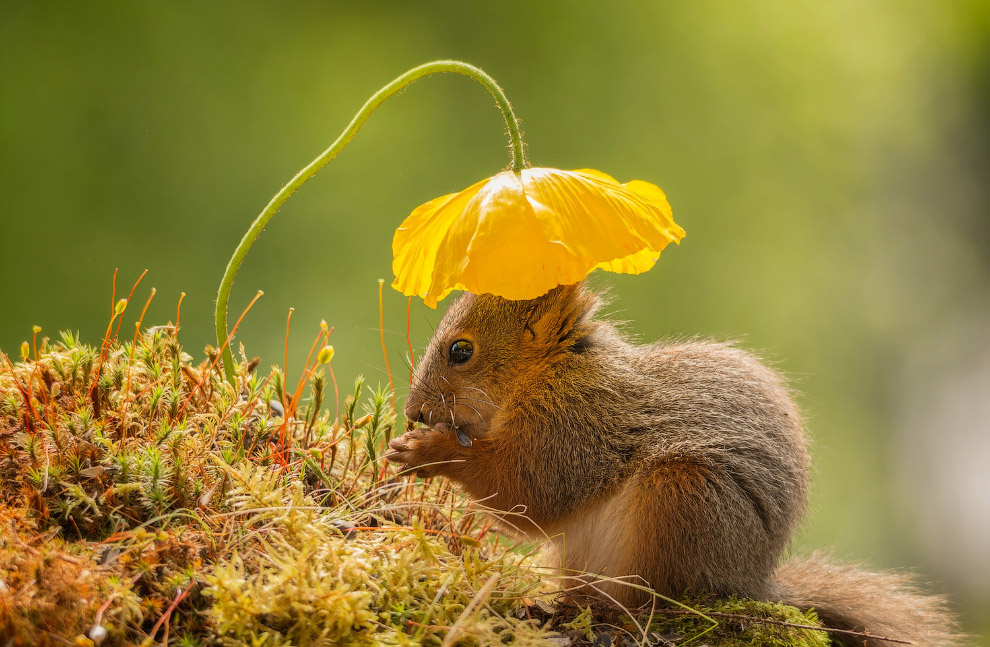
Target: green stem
pixel 400 83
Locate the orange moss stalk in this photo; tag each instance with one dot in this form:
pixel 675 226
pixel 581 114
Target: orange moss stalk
pixel 412 359
pixel 178 311
pixel 130 362
pixel 381 330
pixel 213 364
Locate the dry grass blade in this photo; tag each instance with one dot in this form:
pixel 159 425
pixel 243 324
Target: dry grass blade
pixel 469 611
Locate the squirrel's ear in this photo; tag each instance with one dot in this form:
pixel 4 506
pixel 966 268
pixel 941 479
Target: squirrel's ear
pixel 559 317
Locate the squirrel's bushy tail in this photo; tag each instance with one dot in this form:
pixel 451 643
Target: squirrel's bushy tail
pixel 882 604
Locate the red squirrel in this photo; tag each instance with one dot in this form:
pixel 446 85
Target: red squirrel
pixel 682 466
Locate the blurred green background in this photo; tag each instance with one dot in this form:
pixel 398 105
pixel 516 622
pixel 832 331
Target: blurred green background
pixel 829 161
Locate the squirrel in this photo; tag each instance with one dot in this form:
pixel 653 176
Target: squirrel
pixel 682 466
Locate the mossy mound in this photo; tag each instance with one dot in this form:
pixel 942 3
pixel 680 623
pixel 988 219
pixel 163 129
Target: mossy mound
pixel 144 500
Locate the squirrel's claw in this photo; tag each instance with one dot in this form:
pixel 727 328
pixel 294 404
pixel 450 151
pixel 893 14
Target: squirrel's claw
pixel 427 451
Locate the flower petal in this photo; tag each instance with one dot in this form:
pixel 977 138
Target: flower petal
pixel 598 174
pixel 519 235
pixel 416 241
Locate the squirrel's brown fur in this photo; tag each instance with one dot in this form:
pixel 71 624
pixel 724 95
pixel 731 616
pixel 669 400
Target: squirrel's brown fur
pixel 680 466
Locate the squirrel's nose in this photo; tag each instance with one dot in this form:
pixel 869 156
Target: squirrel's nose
pixel 413 413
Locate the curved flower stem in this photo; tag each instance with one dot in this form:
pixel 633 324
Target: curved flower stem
pixel 397 85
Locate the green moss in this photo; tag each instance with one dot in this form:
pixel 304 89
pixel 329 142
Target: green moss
pixel 751 631
pixel 143 496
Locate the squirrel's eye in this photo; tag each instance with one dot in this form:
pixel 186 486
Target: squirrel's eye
pixel 461 351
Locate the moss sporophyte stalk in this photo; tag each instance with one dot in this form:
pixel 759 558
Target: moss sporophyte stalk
pixel 517 234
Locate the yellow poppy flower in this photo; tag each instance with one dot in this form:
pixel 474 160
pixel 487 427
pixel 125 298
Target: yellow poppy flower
pixel 518 235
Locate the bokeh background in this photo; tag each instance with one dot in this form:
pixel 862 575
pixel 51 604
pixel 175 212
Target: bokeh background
pixel 830 162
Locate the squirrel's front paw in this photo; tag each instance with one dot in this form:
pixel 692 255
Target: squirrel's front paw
pixel 428 451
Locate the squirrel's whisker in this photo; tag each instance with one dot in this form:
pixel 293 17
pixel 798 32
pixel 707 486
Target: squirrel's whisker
pixel 478 413
pixel 474 388
pixel 485 402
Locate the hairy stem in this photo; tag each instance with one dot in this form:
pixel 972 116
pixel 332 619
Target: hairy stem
pixel 397 85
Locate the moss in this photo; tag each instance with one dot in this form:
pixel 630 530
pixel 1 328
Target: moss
pixel 143 500
pixel 733 631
